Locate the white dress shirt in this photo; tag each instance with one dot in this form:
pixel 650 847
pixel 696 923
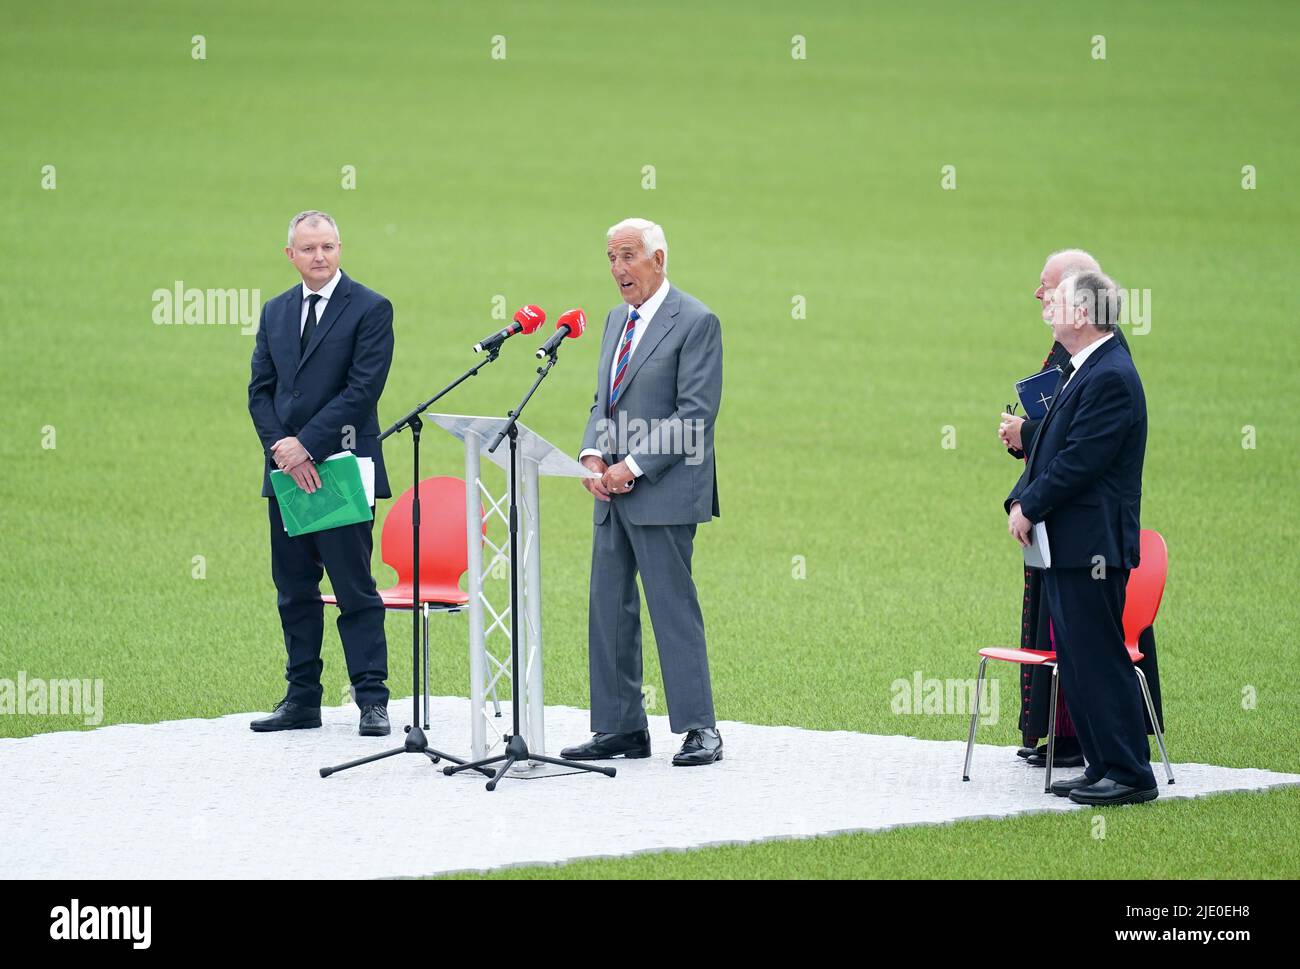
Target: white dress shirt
pixel 1078 359
pixel 645 313
pixel 325 292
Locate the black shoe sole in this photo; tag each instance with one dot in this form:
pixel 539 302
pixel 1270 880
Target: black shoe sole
pixel 1066 792
pixel 305 725
pixel 1137 797
pixel 372 732
pixel 629 755
pixel 696 763
pixel 1042 764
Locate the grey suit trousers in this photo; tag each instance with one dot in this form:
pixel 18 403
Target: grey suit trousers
pixel 662 555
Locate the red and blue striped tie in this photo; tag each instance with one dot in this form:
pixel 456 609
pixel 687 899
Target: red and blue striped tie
pixel 624 356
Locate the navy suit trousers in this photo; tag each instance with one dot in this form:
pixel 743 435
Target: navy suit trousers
pixel 1101 690
pixel 297 565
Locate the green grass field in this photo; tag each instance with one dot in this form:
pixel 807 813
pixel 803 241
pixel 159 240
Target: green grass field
pixel 775 178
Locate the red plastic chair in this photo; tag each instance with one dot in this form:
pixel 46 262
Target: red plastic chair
pixel 444 557
pixel 1142 595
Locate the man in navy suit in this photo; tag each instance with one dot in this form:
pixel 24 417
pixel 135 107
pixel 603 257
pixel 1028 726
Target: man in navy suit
pixel 322 355
pixel 1083 479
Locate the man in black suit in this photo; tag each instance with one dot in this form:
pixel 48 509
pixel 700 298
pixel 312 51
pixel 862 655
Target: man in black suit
pixel 322 355
pixel 1017 434
pixel 1083 479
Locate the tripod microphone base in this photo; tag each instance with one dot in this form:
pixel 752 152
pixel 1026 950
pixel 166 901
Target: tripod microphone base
pixel 416 743
pixel 516 751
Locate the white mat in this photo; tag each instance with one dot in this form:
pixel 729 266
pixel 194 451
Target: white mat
pixel 212 799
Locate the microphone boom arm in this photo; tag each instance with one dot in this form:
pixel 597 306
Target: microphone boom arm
pixel 514 414
pixel 411 417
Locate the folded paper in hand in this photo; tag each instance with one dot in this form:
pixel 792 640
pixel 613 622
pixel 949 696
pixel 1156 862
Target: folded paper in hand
pixel 1038 554
pixel 344 498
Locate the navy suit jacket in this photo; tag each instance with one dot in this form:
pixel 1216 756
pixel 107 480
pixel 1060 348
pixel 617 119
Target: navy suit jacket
pixel 327 396
pixel 1084 474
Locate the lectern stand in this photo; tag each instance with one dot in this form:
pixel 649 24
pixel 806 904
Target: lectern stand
pixel 489 653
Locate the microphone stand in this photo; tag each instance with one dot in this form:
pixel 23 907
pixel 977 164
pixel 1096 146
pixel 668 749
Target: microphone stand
pixel 516 747
pixel 416 741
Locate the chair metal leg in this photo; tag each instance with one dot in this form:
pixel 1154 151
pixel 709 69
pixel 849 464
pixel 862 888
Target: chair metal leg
pixel 1155 724
pixel 425 608
pixel 1051 729
pixel 974 717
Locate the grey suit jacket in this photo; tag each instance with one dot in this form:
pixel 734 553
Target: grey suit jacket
pixel 665 415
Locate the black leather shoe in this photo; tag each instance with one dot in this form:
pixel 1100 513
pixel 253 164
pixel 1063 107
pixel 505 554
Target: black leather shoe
pixel 288 716
pixel 374 721
pixel 1106 791
pixel 603 746
pixel 1026 752
pixel 703 746
pixel 1062 788
pixel 1059 760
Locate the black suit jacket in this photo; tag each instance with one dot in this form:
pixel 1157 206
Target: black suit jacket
pixel 330 389
pixel 1084 474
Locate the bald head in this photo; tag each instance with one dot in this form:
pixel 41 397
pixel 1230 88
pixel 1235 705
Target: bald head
pixel 1059 265
pixel 1065 262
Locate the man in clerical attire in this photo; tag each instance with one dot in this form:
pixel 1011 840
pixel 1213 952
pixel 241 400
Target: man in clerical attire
pixel 1017 434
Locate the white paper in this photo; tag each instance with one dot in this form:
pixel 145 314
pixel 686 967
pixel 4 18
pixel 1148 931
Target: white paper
pixel 367 468
pixel 1038 554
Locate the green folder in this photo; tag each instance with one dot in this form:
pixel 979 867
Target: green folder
pixel 340 499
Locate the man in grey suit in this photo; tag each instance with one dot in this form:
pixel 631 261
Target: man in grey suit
pixel 650 437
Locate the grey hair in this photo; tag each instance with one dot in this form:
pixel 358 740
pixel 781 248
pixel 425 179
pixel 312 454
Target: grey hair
pixel 311 216
pixel 1076 261
pixel 1099 294
pixel 652 236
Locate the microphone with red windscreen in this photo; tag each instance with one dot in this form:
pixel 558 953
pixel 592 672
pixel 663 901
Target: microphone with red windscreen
pixel 528 319
pixel 570 324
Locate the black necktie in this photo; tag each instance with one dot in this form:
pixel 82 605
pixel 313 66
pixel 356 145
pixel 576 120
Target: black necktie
pixel 1065 375
pixel 310 326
